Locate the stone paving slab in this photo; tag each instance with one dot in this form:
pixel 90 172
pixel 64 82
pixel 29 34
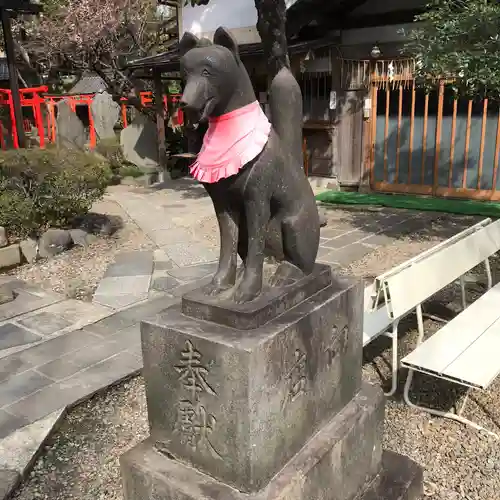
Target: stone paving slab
pixel 27 299
pixel 9 479
pixel 193 253
pixel 12 335
pixel 125 285
pixel 19 450
pixel 10 423
pixel 126 281
pixel 71 367
pixel 136 263
pixel 79 387
pixel 342 243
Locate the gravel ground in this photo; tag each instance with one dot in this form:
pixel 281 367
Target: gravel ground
pixel 77 272
pixel 81 460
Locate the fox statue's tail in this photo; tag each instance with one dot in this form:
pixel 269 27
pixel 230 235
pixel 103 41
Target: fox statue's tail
pixel 285 101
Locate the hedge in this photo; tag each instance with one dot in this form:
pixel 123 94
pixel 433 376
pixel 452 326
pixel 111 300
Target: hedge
pixel 48 187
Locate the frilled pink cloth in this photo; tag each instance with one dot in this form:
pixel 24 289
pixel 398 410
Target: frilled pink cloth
pixel 231 141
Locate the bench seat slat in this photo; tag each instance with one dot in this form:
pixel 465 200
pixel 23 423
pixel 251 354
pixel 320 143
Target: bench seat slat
pixel 479 365
pixel 417 283
pixel 439 352
pixel 379 280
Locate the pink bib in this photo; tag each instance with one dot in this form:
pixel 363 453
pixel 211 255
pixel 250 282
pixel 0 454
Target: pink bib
pixel 231 141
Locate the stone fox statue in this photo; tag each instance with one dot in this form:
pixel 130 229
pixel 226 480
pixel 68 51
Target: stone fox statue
pixel 251 168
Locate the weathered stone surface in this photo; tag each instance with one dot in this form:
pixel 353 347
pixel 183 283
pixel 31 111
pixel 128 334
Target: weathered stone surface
pixel 82 238
pixel 21 385
pixel 9 423
pixel 12 335
pixel 105 113
pixel 136 263
pixel 3 237
pixel 20 448
pixel 144 476
pixel 70 129
pixel 337 463
pixel 76 388
pixel 29 249
pixel 9 479
pixel 272 302
pixel 6 294
pixel 10 256
pixel 53 242
pixel 259 396
pixel 138 142
pixel 45 323
pixel 400 479
pixel 195 272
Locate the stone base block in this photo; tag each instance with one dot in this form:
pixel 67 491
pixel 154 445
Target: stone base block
pixel 399 479
pixel 238 405
pixel 270 304
pixel 341 462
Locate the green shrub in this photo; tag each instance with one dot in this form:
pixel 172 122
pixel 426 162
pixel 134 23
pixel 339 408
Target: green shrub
pixel 120 167
pixel 42 188
pixel 112 151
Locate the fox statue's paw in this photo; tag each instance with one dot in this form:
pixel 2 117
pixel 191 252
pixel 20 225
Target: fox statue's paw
pixel 248 289
pixel 286 274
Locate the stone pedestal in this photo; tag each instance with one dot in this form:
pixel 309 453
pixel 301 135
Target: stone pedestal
pixel 277 410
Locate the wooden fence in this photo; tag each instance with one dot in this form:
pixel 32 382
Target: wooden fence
pixel 432 143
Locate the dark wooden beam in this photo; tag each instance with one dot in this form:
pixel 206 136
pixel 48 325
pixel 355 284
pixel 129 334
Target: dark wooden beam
pixel 160 118
pixel 369 21
pixel 23 6
pixel 304 12
pixel 13 79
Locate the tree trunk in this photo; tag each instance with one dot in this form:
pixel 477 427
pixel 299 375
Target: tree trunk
pixel 271 25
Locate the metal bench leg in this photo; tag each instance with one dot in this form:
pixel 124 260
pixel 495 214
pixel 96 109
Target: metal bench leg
pixel 462 288
pixel 462 408
pixel 395 362
pixel 488 273
pixel 406 394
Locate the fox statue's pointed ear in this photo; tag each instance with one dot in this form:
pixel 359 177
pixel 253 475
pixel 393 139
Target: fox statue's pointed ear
pixel 223 37
pixel 188 42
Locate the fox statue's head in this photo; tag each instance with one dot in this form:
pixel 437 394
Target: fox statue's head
pixel 215 80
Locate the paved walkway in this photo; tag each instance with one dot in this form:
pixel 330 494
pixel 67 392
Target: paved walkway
pixel 56 352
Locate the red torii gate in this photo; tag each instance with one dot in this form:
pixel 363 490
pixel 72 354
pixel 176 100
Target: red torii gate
pixel 35 97
pixel 30 97
pixel 8 9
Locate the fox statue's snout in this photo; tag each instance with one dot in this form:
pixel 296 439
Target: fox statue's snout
pixel 197 100
pixel 212 74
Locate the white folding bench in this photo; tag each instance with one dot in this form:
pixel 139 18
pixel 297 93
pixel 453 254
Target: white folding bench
pixel 379 320
pixel 466 349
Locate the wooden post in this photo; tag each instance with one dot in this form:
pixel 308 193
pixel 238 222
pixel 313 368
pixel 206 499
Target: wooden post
pixel 14 84
pixel 160 118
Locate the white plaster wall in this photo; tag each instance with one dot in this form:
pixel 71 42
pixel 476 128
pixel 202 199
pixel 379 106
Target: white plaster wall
pixel 240 16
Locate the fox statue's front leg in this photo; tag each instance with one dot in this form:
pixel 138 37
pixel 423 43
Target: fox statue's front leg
pixel 227 219
pixel 257 214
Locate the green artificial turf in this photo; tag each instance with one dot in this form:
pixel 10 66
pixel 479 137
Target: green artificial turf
pixel 467 207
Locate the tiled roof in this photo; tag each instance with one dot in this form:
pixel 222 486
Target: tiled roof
pixel 169 60
pixel 88 84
